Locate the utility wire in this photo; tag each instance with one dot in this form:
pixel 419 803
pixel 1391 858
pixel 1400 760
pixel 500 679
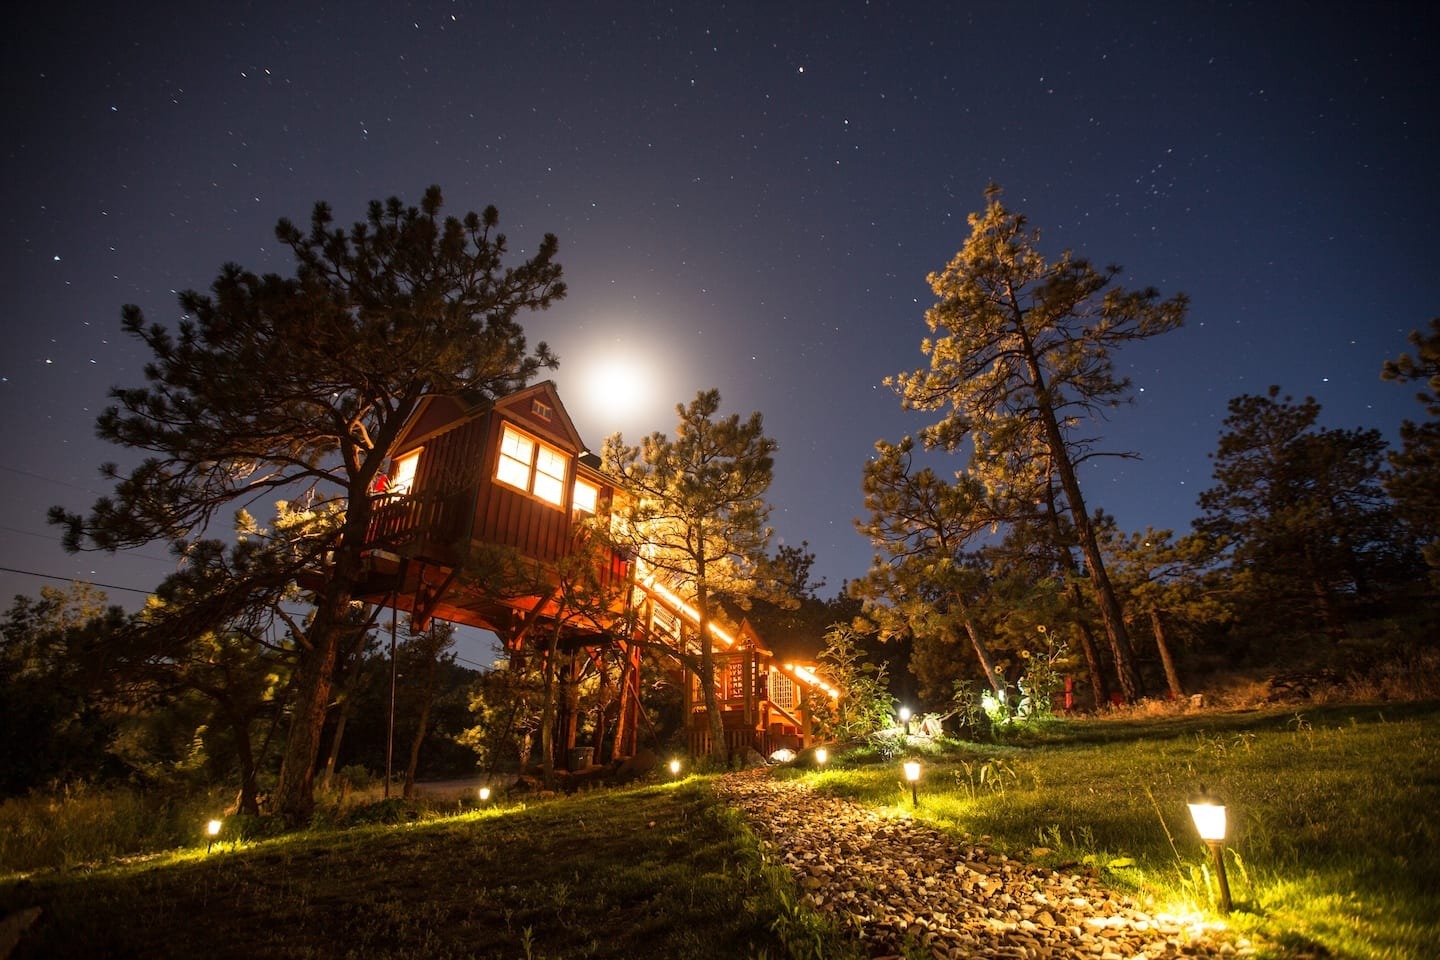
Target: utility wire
pixel 483 668
pixel 51 576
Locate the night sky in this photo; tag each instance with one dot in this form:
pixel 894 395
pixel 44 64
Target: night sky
pixel 747 196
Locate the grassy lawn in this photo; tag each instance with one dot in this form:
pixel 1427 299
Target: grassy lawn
pixel 1335 815
pixel 1333 852
pixel 659 871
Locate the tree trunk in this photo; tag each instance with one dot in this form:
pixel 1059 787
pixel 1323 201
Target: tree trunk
pixel 349 683
pixel 547 710
pixel 1172 676
pixel 982 653
pixel 1110 612
pixel 296 789
pixel 319 650
pixel 427 703
pixel 607 692
pixel 718 751
pixel 1099 689
pixel 248 801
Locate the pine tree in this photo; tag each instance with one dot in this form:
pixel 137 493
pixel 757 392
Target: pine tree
pixel 1022 362
pixel 921 580
pixel 297 386
pixel 1301 508
pixel 1415 467
pixel 698 515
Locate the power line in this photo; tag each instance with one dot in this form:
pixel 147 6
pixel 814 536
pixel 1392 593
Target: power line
pixel 51 576
pixel 39 476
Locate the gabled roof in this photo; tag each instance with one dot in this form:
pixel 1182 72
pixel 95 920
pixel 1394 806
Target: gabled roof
pixel 441 412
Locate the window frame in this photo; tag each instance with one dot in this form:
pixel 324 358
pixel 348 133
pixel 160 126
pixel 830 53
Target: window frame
pixel 509 465
pixel 402 481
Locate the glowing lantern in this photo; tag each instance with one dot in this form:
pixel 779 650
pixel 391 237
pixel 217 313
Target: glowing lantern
pixel 821 755
pixel 212 830
pixel 1209 816
pixel 912 773
pixel 484 794
pixel 674 768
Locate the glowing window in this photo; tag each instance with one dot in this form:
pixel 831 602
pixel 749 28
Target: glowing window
pixel 402 474
pixel 735 680
pixel 550 475
pixel 517 451
pixel 531 466
pixel 587 496
pixel 782 691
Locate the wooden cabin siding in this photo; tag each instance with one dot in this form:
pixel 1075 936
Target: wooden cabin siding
pixel 513 518
pixel 433 518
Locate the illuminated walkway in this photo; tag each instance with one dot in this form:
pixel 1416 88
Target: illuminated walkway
pixel 900 885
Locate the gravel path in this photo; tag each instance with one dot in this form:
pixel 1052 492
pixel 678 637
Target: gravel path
pixel 893 879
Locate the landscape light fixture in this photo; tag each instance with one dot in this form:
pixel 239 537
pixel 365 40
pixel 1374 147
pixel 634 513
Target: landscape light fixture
pixel 905 719
pixel 1209 816
pixel 821 755
pixel 912 773
pixel 484 794
pixel 674 768
pixel 212 830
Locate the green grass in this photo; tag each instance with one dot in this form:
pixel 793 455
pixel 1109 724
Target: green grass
pixel 1333 851
pixel 658 871
pixel 1334 840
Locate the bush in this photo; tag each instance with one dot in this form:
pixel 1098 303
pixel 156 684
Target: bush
pixel 82 824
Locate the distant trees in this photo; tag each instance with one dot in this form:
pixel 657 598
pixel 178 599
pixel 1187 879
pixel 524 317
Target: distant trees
pixel 696 512
pixel 61 700
pixel 1414 478
pixel 297 386
pixel 1301 508
pixel 1021 365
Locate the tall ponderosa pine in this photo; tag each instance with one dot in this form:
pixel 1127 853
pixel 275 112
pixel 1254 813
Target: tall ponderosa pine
pixel 698 514
pixel 297 386
pixel 1022 361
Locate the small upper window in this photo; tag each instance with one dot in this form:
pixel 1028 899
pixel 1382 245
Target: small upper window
pixel 541 410
pixel 532 466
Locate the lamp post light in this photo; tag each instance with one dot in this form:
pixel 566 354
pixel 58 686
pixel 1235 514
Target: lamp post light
pixel 212 830
pixel 674 768
pixel 912 773
pixel 905 719
pixel 484 794
pixel 1209 816
pixel 821 755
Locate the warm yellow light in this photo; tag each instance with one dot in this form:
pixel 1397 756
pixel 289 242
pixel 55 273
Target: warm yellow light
pixel 809 677
pixel 484 794
pixel 1209 818
pixel 689 612
pixel 674 768
pixel 912 770
pixel 213 828
pixel 904 714
pixel 821 755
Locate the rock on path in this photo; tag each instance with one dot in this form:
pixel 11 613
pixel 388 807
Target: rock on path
pixel 894 880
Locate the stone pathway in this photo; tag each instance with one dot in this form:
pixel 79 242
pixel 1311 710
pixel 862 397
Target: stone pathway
pixel 893 880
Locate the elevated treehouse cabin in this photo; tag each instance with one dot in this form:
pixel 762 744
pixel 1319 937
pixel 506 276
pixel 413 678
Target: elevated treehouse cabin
pixel 481 521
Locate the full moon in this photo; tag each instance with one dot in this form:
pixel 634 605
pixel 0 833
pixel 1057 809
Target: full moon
pixel 617 387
